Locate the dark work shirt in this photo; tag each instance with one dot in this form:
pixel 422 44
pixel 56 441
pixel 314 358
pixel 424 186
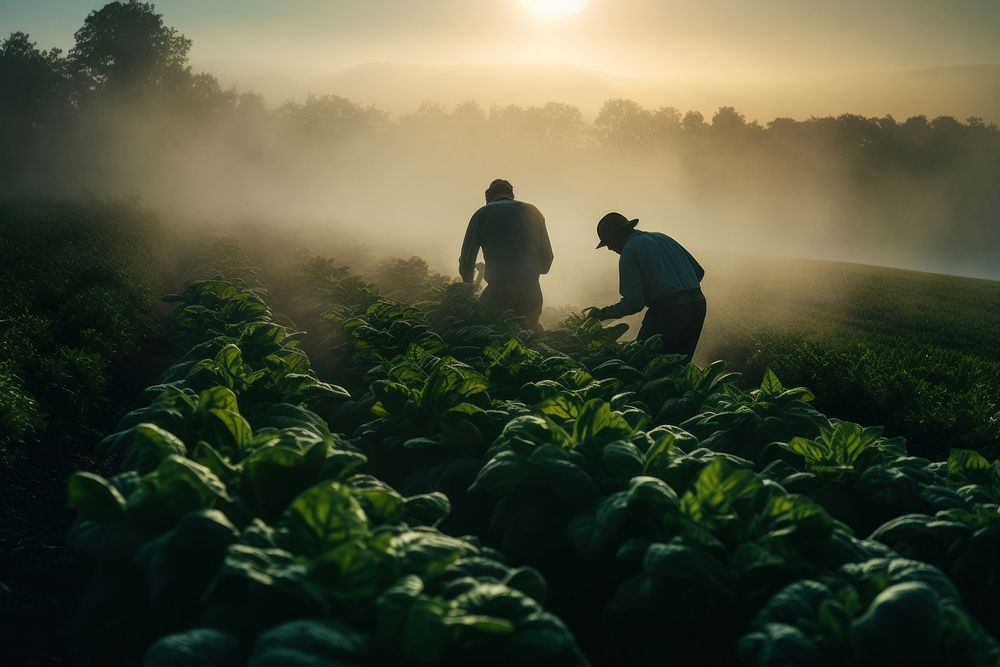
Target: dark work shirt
pixel 652 266
pixel 515 244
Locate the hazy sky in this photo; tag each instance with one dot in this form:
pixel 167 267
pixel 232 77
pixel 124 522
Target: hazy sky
pixel 720 38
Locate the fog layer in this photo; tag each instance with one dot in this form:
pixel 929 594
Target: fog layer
pixel 113 121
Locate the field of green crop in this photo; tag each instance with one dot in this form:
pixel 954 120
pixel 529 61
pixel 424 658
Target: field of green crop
pixel 330 471
pixel 913 352
pixel 480 494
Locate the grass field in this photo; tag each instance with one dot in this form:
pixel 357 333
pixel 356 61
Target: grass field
pixel 914 352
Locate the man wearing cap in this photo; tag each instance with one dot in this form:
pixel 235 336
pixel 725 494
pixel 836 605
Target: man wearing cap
pixel 516 249
pixel 654 271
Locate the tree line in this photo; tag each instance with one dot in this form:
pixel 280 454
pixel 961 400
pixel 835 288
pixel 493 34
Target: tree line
pixel 126 52
pixel 127 87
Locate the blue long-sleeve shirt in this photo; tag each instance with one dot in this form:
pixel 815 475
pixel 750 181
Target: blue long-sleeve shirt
pixel 652 266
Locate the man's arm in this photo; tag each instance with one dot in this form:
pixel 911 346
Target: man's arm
pixel 630 286
pixel 545 255
pixel 470 250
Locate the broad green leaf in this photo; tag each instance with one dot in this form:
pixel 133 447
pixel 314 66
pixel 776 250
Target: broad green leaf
pixel 237 428
pixel 770 385
pixel 209 457
pixel 717 487
pixel 811 451
pixel 218 398
pixel 324 516
pixel 564 406
pixel 230 358
pixel 501 474
pixel 576 378
pixel 564 474
pixel 464 409
pixel 182 483
pixel 596 419
pixel 153 444
pixel 622 459
pixel 274 475
pixel 529 581
pixel 489 625
pixel 961 462
pixel 427 509
pixel 392 397
pixel 95 497
pixel 422 443
pixel 353 570
pixel 424 551
pixel 341 462
pixel 658 456
pixel 381 503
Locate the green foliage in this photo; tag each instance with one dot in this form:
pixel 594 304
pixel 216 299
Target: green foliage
pixel 672 515
pixel 76 320
pixel 19 413
pixel 912 351
pixel 866 614
pixel 250 526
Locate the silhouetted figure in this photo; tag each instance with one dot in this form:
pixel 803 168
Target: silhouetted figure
pixel 516 249
pixel 655 271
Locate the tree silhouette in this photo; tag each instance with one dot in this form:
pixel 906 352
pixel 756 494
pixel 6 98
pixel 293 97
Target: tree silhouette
pixel 329 115
pixel 666 123
pixel 125 46
pixel 694 122
pixel 563 123
pixel 29 78
pixel 623 123
pixel 32 94
pixel 728 122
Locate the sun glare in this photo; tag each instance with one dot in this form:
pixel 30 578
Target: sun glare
pixel 554 9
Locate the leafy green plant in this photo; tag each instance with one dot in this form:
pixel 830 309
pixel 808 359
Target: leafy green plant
pixel 883 610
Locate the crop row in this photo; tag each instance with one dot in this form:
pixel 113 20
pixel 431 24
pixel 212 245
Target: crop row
pixel 239 530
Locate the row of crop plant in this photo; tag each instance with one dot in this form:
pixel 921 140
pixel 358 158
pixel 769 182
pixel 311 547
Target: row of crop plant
pixel 239 529
pixel 677 518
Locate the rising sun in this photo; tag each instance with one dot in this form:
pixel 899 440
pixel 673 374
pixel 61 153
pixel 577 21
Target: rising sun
pixel 554 9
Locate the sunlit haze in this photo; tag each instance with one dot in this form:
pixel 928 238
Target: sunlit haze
pixel 417 105
pixel 726 40
pixel 554 9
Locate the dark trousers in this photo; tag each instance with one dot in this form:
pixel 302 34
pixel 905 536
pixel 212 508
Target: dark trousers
pixel 525 299
pixel 678 319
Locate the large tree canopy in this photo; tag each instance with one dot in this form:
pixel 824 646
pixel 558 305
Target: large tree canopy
pixel 28 77
pixel 126 45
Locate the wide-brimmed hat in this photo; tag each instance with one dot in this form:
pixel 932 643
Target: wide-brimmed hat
pixel 611 224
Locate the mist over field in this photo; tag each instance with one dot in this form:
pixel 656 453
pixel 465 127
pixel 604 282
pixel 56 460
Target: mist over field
pixel 844 189
pixel 397 157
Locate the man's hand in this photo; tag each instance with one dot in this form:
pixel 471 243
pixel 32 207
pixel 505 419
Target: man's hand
pixel 594 313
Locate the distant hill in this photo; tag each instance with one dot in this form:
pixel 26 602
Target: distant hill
pixel 959 91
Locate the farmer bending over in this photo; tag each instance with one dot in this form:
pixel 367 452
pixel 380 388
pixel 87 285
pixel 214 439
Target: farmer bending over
pixel 516 248
pixel 654 271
